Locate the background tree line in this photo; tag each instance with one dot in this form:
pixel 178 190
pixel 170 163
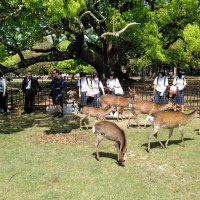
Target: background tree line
pixel 81 34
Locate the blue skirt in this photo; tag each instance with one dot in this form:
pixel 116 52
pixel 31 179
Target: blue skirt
pixel 160 99
pixel 83 99
pixel 179 98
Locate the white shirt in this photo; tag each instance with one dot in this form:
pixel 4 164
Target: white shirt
pixel 96 85
pixel 112 83
pixel 161 84
pixel 28 87
pixel 3 85
pixel 84 84
pixel 180 83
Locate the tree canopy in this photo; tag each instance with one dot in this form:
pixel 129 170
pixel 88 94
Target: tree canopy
pixel 106 34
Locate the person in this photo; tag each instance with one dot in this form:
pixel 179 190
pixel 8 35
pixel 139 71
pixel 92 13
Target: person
pixel 3 94
pixel 57 85
pixel 30 87
pixel 84 85
pixel 96 85
pixel 180 82
pixel 160 85
pixel 113 85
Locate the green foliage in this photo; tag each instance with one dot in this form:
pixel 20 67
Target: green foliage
pixel 57 9
pixel 75 66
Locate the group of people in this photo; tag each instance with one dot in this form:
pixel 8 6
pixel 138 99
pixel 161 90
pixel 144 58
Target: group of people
pixel 90 90
pixel 161 86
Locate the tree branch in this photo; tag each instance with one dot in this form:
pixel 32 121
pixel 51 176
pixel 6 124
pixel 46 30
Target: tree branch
pixel 116 34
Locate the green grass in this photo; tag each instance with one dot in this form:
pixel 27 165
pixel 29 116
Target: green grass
pixel 35 171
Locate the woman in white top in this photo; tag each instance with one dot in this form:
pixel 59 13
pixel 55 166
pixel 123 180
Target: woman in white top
pixel 84 84
pixel 180 83
pixel 96 85
pixel 3 94
pixel 160 86
pixel 114 86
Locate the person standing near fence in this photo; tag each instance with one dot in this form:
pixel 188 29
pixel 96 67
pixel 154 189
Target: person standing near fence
pixel 160 88
pixel 96 85
pixel 180 83
pixel 57 86
pixel 3 94
pixel 84 85
pixel 113 85
pixel 30 87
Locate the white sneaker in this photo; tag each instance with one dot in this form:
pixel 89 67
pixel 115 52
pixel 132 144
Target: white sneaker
pixel 111 114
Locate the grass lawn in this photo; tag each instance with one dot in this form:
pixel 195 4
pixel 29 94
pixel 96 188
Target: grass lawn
pixel 34 170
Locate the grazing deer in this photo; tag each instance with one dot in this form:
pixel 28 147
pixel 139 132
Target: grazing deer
pixel 146 107
pixel 111 131
pixel 170 120
pixel 119 102
pixel 99 113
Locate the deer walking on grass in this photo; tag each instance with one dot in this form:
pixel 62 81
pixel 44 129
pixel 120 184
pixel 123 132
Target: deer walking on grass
pixel 111 131
pixel 170 120
pixel 120 102
pixel 145 107
pixel 98 113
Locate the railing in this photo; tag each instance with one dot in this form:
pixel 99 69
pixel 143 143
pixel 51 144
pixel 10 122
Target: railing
pixel 16 98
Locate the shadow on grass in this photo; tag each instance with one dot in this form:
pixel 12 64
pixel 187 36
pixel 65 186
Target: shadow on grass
pixel 16 123
pixel 171 142
pixel 106 155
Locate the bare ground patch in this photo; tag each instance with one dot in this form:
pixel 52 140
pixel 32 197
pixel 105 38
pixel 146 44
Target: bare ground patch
pixel 70 138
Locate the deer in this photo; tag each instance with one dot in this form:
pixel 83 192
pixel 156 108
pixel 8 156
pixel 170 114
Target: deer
pixel 119 102
pixel 146 107
pixel 110 131
pixel 170 120
pixel 99 113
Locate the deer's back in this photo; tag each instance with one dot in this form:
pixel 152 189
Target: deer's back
pixel 109 130
pixel 169 119
pixel 145 107
pixel 114 100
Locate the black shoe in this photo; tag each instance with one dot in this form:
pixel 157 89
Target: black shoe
pixel 23 113
pixel 56 114
pixel 60 115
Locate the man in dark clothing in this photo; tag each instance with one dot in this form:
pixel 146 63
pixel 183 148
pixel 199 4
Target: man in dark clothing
pixel 30 86
pixel 57 85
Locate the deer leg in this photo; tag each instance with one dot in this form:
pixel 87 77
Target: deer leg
pixel 147 120
pixel 98 140
pixel 129 117
pixel 182 138
pixel 117 145
pixel 170 134
pixel 83 119
pixel 156 136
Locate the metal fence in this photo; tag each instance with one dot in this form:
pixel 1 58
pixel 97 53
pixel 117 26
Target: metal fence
pixel 16 98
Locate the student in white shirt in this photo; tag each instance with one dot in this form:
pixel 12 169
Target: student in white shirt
pixel 84 84
pixel 96 85
pixel 180 83
pixel 114 86
pixel 160 86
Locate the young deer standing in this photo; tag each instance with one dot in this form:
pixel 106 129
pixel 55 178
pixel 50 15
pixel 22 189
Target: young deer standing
pixel 146 107
pixel 111 131
pixel 94 112
pixel 170 120
pixel 119 102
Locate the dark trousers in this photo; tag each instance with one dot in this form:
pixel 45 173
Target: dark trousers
pixel 29 101
pixel 3 102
